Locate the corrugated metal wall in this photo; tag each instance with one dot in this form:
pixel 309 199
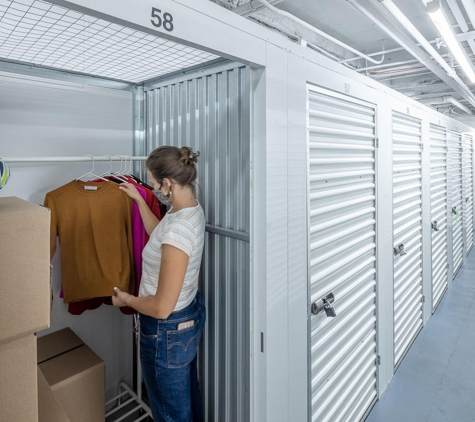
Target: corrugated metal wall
pixel 342 254
pixel 438 203
pixel 212 114
pixel 457 199
pixel 468 190
pixel 407 212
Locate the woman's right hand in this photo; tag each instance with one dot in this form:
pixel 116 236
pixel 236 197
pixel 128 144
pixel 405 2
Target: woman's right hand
pixel 131 191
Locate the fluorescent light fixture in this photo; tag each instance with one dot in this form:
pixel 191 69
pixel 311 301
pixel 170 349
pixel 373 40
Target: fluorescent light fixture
pixel 440 21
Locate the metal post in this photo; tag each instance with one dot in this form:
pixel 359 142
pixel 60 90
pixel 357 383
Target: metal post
pixel 138 135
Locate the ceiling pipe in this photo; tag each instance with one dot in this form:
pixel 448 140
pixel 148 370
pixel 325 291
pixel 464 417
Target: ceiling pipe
pixel 312 28
pixel 404 41
pixel 251 7
pixel 391 50
pixel 469 6
pixel 444 100
pixel 453 5
pixel 391 64
pixel 466 36
pixel 406 23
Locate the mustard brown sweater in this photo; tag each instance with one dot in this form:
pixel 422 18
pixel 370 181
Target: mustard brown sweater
pixel 95 236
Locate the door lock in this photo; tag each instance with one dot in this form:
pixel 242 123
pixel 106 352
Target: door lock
pixel 324 304
pixel 435 226
pixel 399 250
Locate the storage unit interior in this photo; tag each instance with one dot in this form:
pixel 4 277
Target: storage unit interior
pixel 74 84
pixel 368 212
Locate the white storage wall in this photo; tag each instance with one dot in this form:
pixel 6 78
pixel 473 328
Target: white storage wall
pixel 438 198
pixel 467 173
pixel 456 187
pixel 407 236
pixel 211 113
pixel 412 164
pixel 44 117
pixel 342 254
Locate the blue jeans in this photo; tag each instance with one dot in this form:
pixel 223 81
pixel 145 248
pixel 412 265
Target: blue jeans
pixel 169 363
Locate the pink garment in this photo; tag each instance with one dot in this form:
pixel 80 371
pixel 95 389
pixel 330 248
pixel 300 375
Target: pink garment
pixel 139 236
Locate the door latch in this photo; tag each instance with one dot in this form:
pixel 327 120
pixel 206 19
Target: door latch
pixel 399 250
pixel 435 226
pixel 324 304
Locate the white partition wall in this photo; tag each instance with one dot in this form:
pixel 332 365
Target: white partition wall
pixel 211 113
pixel 467 174
pixel 342 254
pixel 456 189
pixel 407 223
pixel 438 199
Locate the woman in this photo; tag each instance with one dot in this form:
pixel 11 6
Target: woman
pixel 171 310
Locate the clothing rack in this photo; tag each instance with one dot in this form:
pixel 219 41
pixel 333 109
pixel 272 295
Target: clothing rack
pixel 126 396
pixel 87 158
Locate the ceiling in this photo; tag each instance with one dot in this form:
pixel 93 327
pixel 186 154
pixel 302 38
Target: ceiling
pixel 44 34
pixel 369 27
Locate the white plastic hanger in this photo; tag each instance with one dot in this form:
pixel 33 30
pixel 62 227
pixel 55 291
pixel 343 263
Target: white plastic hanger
pixel 131 164
pixel 108 172
pixel 91 175
pixel 120 174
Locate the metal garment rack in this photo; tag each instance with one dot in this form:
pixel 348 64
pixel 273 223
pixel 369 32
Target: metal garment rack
pixel 126 394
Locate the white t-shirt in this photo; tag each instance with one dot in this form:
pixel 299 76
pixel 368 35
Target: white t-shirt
pixel 184 230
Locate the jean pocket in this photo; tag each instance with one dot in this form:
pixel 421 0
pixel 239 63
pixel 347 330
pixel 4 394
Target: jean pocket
pixel 148 336
pixel 182 345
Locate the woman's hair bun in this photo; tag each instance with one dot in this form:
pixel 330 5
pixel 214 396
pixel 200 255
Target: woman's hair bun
pixel 188 157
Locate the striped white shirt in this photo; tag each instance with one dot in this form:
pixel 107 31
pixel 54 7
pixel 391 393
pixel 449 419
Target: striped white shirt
pixel 184 230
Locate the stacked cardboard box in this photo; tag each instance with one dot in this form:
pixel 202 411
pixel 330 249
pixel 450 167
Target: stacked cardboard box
pixel 24 304
pixel 75 376
pixel 57 378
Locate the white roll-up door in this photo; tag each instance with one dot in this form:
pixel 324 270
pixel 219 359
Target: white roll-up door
pixel 457 200
pixel 438 204
pixel 468 190
pixel 342 255
pixel 407 235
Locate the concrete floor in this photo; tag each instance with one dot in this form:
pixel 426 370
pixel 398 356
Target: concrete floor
pixel 436 380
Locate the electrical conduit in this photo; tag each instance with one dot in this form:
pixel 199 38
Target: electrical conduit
pixel 404 41
pixel 274 9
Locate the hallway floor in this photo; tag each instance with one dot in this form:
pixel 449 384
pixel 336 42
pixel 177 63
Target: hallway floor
pixel 436 380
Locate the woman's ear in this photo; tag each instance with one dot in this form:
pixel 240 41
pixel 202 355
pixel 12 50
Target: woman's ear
pixel 166 183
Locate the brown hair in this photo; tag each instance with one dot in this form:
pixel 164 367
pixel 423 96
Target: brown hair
pixel 173 163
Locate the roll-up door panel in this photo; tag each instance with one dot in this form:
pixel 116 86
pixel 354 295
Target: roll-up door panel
pixel 407 235
pixel 468 190
pixel 457 200
pixel 342 255
pixel 438 204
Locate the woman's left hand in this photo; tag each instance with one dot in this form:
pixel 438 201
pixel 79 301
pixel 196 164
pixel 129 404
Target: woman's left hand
pixel 120 299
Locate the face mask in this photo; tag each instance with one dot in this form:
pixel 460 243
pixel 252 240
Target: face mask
pixel 162 198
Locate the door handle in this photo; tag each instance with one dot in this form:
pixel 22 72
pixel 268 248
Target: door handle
pixel 324 304
pixel 435 226
pixel 399 250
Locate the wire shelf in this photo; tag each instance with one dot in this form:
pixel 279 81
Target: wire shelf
pixel 38 32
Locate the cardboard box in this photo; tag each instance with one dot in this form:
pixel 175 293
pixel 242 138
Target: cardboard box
pixel 18 380
pixel 49 409
pixel 75 374
pixel 24 268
